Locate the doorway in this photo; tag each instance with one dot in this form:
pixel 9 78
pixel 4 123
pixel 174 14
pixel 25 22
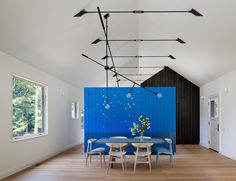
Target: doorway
pixel 214 122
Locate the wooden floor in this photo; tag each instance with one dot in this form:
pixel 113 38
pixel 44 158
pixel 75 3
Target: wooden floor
pixel 193 162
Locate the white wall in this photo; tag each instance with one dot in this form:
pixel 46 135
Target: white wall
pixel 228 113
pixel 63 132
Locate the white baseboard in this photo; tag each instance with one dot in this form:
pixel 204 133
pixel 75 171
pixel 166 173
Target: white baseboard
pixel 12 171
pixel 228 155
pixel 204 144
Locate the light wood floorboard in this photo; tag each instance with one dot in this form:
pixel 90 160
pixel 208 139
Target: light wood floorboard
pixel 193 162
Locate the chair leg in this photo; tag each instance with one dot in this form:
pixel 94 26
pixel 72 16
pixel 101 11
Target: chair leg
pixel 171 160
pixel 90 156
pixel 125 162
pixel 109 163
pixel 135 163
pixel 100 158
pixel 149 162
pixel 104 158
pixel 86 160
pixel 122 162
pixel 157 160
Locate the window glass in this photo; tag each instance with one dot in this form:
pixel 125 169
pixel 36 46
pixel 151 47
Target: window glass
pixel 28 108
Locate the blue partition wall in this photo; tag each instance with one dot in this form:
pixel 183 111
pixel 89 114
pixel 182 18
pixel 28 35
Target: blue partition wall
pixel 117 121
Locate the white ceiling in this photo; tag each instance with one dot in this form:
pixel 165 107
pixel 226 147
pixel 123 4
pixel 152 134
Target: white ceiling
pixel 45 34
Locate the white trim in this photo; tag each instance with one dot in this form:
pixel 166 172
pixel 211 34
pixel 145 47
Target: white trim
pixel 21 138
pixel 206 145
pixel 219 118
pixel 27 79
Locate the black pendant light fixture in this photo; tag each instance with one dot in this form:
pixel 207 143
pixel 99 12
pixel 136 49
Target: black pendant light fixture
pixel 117 73
pixel 98 40
pixel 191 11
pixel 141 56
pixel 129 95
pixel 108 48
pixel 107 106
pixel 109 55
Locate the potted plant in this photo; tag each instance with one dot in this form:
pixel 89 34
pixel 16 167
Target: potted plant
pixel 140 128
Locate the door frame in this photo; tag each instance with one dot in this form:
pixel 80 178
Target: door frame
pixel 209 119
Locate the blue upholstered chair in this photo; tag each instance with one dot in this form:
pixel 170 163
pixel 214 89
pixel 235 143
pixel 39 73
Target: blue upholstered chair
pixel 96 151
pixel 165 151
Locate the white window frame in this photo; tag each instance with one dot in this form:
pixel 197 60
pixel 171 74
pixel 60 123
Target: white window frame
pixel 81 118
pixel 76 110
pixel 45 88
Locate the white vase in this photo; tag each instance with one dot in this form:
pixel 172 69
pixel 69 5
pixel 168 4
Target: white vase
pixel 141 135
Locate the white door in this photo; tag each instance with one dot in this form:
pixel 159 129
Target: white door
pixel 214 122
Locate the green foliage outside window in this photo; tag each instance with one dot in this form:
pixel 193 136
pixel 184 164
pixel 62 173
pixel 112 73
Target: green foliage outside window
pixel 28 108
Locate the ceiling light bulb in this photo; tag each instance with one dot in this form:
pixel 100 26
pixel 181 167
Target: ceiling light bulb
pixel 128 95
pixel 159 95
pixel 107 106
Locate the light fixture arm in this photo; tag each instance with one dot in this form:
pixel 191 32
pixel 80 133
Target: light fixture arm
pixel 191 11
pixel 135 83
pixel 131 88
pixel 141 56
pixel 107 42
pixel 106 32
pixel 98 40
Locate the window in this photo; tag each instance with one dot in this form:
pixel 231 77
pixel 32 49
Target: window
pixel 75 110
pixel 214 111
pixel 82 119
pixel 29 102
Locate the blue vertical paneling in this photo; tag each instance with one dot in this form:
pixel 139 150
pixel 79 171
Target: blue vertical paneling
pixel 102 123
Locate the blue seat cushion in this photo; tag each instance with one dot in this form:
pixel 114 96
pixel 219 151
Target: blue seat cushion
pixel 163 151
pixel 100 149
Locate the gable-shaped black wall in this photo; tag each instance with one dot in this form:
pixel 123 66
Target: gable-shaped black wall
pixel 187 100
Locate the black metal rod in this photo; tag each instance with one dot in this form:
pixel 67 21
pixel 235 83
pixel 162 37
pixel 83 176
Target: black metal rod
pixel 137 12
pixel 139 67
pixel 106 32
pixel 131 88
pixel 140 40
pixel 93 60
pixel 120 74
pixel 138 74
pixel 191 11
pixel 134 80
pixel 139 56
pixel 108 45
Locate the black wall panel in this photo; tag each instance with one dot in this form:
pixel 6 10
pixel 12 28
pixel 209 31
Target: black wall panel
pixel 187 100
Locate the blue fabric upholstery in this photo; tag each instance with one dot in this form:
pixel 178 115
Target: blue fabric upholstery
pixel 165 151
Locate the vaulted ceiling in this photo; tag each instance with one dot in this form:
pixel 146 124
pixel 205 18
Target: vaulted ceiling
pixel 45 34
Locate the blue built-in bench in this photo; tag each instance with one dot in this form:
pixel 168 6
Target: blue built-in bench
pixel 117 121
